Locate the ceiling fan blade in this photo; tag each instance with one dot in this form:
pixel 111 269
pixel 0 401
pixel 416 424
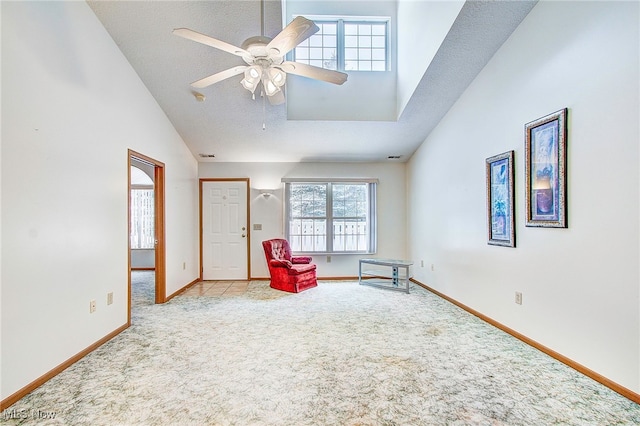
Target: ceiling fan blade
pixel 317 73
pixel 293 34
pixel 208 81
pixel 210 41
pixel 277 98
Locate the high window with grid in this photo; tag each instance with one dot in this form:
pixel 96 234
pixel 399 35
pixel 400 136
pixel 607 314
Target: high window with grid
pixel 347 45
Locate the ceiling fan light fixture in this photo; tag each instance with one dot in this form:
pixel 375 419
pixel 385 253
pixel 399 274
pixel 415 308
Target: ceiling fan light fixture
pixel 270 88
pixel 277 76
pixel 249 84
pixel 252 76
pixel 253 73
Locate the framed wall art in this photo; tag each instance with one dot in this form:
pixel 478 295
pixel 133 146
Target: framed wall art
pixel 501 200
pixel 545 171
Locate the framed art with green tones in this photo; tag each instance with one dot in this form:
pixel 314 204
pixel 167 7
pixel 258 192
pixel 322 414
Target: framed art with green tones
pixel 501 200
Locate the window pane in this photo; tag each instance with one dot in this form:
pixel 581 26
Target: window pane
pixel 364 41
pixel 329 41
pixel 379 29
pixel 351 54
pixel 350 29
pixel 350 65
pixel 315 40
pixel 364 29
pixel 302 53
pixel 328 28
pixel 296 208
pixel 350 235
pixel 316 63
pixel 378 41
pixel 307 222
pixel 320 191
pixel 365 55
pixel 378 54
pixel 315 53
pixel 330 59
pixel 378 66
pixel 364 66
pixel 308 235
pixel 351 41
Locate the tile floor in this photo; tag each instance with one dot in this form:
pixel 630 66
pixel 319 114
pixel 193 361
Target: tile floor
pixel 217 288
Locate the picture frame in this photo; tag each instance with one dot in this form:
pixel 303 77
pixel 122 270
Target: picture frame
pixel 545 171
pixel 500 177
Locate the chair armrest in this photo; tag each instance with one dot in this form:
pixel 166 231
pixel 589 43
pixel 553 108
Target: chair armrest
pixel 300 259
pixel 280 263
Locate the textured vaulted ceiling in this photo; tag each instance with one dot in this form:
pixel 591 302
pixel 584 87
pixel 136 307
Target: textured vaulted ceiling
pixel 229 123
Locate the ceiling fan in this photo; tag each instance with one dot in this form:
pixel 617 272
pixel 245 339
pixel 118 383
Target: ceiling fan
pixel 265 59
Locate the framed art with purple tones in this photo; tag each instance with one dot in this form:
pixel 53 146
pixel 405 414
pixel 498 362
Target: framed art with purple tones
pixel 500 200
pixel 545 171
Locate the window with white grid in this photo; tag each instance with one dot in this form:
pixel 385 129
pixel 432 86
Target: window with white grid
pixel 331 217
pixel 365 46
pixel 347 45
pixel 321 49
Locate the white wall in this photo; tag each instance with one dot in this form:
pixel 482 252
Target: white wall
pixel 143 258
pixel 71 107
pixel 309 99
pixel 580 285
pixel 422 27
pixel 269 211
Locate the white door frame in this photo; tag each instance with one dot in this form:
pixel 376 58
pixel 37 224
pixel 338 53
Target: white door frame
pixel 248 238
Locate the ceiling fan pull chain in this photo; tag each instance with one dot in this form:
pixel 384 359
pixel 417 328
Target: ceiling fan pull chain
pixel 264 100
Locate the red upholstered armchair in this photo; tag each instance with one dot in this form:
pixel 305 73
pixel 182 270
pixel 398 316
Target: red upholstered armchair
pixel 292 274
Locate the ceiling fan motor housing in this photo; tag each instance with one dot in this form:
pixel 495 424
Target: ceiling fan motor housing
pixel 257 47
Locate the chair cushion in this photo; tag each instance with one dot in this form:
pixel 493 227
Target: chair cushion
pixel 298 269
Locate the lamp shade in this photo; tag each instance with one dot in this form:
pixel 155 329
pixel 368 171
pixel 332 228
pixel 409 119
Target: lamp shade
pixel 251 78
pixel 277 76
pixel 270 88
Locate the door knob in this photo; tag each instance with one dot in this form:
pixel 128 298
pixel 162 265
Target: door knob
pixel 243 235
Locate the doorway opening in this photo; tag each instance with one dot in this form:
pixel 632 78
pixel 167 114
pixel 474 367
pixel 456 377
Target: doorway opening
pixel 146 243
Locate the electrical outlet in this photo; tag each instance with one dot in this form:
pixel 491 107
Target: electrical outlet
pixel 433 268
pixel 328 259
pixel 422 263
pixel 109 298
pixel 92 306
pixel 518 298
pixel 184 265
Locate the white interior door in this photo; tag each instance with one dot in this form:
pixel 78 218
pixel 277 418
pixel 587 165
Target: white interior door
pixel 224 230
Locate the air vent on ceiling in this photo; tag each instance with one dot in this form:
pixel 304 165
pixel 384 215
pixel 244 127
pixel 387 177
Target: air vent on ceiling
pixel 207 155
pixel 394 157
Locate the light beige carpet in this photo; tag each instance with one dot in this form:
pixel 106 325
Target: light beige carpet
pixel 338 354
